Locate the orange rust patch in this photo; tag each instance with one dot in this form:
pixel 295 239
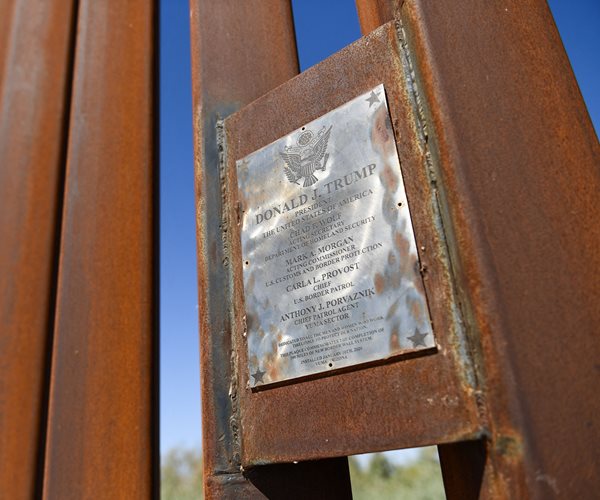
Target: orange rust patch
pixel 403 246
pixel 271 365
pixel 389 178
pixel 380 132
pixel 394 340
pixel 415 307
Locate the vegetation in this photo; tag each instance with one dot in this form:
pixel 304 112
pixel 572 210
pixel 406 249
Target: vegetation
pixel 181 475
pixel 380 479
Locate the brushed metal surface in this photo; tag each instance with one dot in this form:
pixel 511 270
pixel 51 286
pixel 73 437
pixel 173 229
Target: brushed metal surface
pixel 331 271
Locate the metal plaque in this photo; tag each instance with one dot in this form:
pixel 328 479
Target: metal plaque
pixel 331 271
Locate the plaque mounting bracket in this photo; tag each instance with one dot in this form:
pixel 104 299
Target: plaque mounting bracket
pixel 260 138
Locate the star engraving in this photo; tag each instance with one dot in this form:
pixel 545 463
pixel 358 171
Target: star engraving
pixel 258 376
pixel 418 338
pixel 373 98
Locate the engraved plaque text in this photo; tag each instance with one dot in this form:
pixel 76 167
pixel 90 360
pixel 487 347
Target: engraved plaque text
pixel 331 272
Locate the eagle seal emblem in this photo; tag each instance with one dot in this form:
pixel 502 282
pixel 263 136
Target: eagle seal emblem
pixel 303 159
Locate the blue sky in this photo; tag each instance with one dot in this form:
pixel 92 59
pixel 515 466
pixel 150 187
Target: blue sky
pixel 337 26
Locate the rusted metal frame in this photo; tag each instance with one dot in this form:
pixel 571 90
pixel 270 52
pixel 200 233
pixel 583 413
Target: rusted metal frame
pixel 239 52
pixel 374 13
pixel 463 463
pixel 517 163
pixel 404 403
pixel 36 41
pixel 102 424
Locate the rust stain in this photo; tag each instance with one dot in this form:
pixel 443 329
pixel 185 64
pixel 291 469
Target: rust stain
pixel 379 282
pixel 394 339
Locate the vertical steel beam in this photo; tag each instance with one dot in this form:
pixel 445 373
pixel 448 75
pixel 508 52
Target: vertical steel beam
pixel 239 52
pixel 463 464
pixel 102 429
pixel 35 78
pixel 374 13
pixel 6 17
pixel 518 169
